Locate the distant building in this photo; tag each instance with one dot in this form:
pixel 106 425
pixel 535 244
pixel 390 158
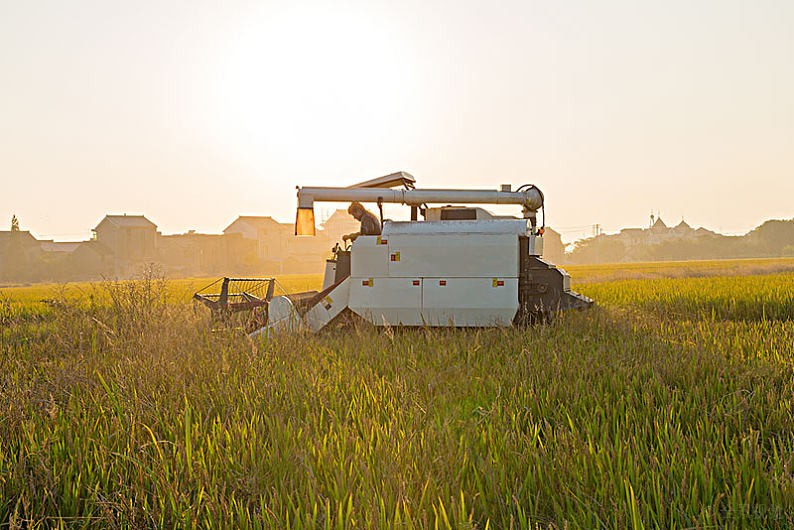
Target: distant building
pixel 659 225
pixel 659 241
pixel 682 228
pixel 340 223
pixel 19 252
pixel 271 236
pixel 59 247
pixel 659 232
pixel 91 260
pixel 279 250
pixel 195 254
pixel 131 238
pixel 553 248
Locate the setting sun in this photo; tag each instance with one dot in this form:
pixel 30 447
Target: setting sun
pixel 309 83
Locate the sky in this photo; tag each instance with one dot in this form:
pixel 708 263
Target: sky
pixel 195 112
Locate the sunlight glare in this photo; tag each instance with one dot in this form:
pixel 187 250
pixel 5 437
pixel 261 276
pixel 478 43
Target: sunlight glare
pixel 318 82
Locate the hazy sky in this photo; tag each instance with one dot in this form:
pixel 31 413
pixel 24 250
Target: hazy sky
pixel 194 112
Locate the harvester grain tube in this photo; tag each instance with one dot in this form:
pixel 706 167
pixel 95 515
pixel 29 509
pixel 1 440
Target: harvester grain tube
pixel 531 199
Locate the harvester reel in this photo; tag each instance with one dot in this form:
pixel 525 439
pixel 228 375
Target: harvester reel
pixel 238 302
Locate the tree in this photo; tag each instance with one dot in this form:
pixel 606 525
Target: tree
pixel 14 223
pixel 599 249
pixel 771 237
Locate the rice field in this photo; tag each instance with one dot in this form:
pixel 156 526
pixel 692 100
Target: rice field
pixel 669 405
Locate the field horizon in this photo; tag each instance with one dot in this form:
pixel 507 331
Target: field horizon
pixel 579 273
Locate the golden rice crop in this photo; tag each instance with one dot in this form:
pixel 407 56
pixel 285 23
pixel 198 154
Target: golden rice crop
pixel 669 405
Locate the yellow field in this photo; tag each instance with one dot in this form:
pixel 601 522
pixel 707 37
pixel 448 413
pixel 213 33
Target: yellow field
pixel 183 288
pixel 678 269
pixel 670 404
pixel 177 289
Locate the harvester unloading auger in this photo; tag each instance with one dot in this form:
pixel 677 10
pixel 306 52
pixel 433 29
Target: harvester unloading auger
pixel 460 266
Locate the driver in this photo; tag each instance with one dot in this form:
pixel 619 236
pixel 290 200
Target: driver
pixel 370 226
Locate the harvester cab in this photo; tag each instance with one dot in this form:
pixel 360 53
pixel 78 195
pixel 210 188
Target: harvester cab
pixel 458 266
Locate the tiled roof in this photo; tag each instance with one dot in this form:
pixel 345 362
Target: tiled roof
pixel 26 236
pixel 129 221
pixel 256 221
pixel 96 246
pixel 52 246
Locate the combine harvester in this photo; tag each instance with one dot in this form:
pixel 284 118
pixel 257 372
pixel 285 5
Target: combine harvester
pixel 460 266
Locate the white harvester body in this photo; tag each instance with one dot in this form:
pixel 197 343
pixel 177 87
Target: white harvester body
pixel 438 273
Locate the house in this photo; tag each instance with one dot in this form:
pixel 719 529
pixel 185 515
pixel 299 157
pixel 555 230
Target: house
pixel 131 238
pixel 553 248
pixel 279 250
pixel 90 260
pixel 193 254
pixel 657 242
pixel 59 247
pixel 54 260
pixel 683 229
pixel 340 223
pixel 19 252
pixel 632 236
pixel 271 236
pixel 307 254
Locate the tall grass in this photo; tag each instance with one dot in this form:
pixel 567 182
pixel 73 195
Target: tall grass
pixel 668 406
